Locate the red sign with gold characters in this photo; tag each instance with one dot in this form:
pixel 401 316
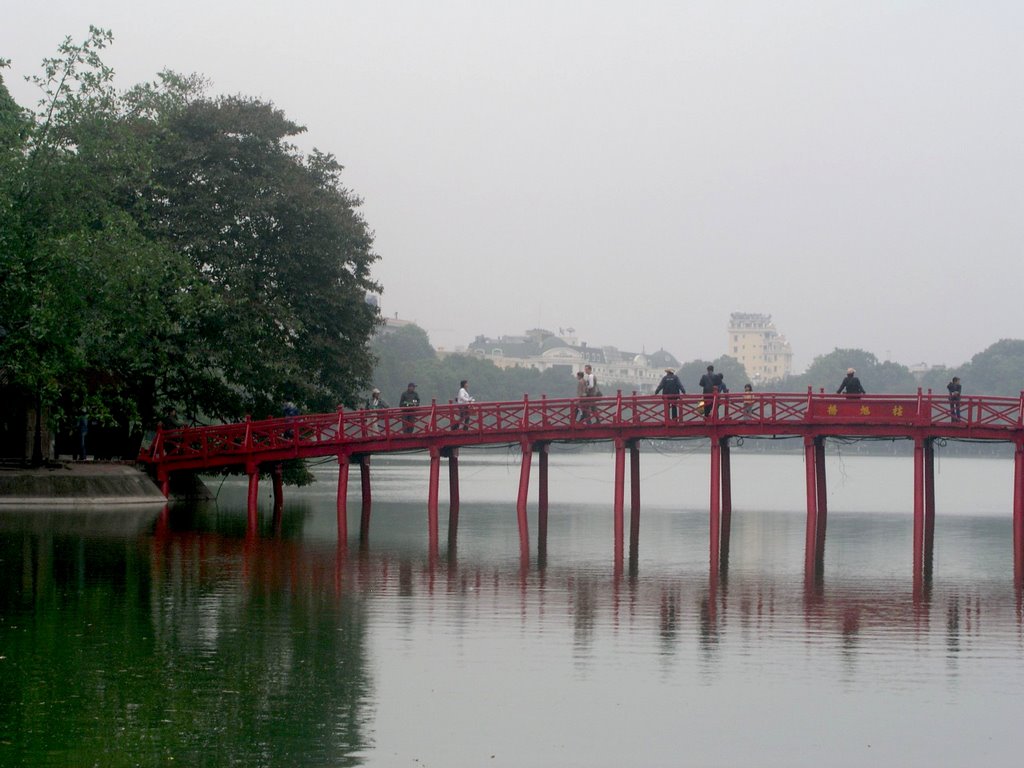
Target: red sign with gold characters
pixel 876 410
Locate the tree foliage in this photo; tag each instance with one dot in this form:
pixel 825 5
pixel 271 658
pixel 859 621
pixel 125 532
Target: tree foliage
pixel 161 248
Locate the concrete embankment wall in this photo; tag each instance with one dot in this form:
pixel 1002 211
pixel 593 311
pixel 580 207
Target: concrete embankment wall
pixel 77 484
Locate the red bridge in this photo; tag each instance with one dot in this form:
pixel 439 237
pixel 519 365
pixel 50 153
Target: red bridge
pixel 354 436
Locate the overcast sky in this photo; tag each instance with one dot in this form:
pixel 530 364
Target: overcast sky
pixel 638 171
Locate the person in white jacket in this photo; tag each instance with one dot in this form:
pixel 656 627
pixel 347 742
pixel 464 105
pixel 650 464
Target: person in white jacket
pixel 464 399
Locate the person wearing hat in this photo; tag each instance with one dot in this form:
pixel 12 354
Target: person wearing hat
pixel 671 386
pixel 374 402
pixel 851 384
pixel 409 399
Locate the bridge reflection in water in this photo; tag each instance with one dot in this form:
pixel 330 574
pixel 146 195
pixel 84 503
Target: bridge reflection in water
pixel 623 420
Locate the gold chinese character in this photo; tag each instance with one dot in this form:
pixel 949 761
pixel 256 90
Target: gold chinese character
pixel 897 410
pixel 865 411
pixel 832 410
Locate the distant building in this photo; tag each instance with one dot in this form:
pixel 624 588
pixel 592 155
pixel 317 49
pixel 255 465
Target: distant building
pixel 763 351
pixel 542 349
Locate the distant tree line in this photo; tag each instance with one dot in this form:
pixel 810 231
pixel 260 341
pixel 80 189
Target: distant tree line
pixel 405 355
pixel 997 370
pixel 161 248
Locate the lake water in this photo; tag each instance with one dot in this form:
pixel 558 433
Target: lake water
pixel 126 643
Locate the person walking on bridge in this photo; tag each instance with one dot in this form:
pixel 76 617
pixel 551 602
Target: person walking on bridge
pixel 672 387
pixel 464 399
pixel 851 384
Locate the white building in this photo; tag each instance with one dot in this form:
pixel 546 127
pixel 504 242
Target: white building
pixel 541 349
pixel 763 351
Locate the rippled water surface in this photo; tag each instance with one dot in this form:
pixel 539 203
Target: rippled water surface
pixel 127 640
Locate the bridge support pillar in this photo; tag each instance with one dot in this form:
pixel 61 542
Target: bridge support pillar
pixel 821 494
pixel 542 498
pixel 1018 514
pixel 620 493
pixel 367 496
pixel 634 500
pixel 453 496
pixel 342 497
pixel 726 504
pixel 924 504
pixel 929 506
pixel 716 502
pixel 811 482
pixel 252 501
pixel 435 477
pixel 524 489
pixel 278 481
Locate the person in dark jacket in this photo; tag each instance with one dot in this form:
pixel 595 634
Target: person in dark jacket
pixel 670 385
pixel 707 386
pixel 410 398
pixel 851 384
pixel 954 398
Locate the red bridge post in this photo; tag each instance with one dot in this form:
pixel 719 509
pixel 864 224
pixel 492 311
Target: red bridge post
pixel 634 497
pixel 435 476
pixel 453 496
pixel 542 497
pixel 821 493
pixel 929 504
pixel 811 533
pixel 367 494
pixel 1018 513
pixel 918 506
pixel 342 498
pixel 277 476
pixel 365 488
pixel 726 502
pixel 524 489
pixel 252 506
pixel 620 480
pixel 716 501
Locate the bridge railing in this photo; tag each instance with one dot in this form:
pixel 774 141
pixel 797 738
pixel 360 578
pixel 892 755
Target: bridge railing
pixel 344 430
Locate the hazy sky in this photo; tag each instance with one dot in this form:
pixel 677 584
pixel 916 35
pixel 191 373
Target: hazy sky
pixel 637 171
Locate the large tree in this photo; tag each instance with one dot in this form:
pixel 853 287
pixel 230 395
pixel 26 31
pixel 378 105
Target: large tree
pixel 161 248
pixel 280 250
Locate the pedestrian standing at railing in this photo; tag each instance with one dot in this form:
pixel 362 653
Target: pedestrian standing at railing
pixel 749 401
pixel 410 398
pixel 374 403
pixel 851 384
pixel 464 399
pixel 707 387
pixel 954 398
pixel 593 390
pixel 671 387
pixel 290 411
pixel 582 414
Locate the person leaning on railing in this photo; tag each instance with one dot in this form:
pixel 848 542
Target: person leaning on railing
pixel 851 384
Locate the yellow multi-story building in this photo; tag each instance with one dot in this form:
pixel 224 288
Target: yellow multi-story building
pixel 763 351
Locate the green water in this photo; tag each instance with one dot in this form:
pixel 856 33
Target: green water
pixel 124 641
